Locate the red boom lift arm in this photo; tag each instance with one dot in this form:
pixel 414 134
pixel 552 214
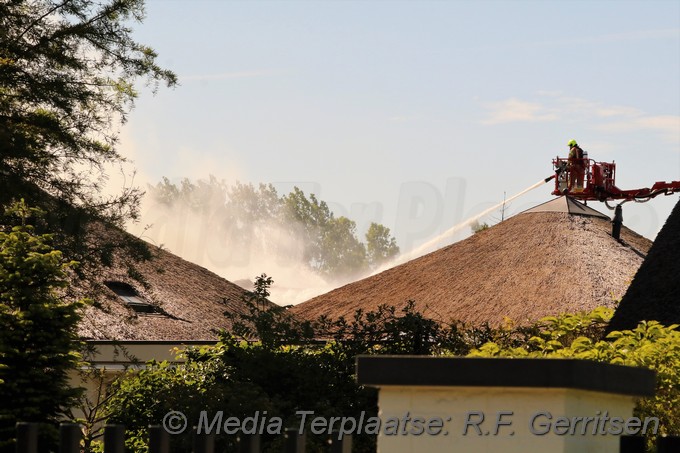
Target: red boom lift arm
pixel 599 182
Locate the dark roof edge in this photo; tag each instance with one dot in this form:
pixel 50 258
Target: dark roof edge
pixel 379 371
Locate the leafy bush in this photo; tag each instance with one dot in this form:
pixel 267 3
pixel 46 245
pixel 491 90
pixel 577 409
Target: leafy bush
pixel 273 362
pixel 649 345
pixel 38 328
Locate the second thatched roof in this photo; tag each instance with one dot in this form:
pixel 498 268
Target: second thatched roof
pixel 655 291
pixel 170 299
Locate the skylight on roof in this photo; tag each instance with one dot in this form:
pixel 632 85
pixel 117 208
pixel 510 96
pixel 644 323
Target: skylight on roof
pixel 130 297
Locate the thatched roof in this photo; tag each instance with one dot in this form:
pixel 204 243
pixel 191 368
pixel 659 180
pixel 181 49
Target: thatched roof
pixel 184 301
pixel 532 265
pixel 654 293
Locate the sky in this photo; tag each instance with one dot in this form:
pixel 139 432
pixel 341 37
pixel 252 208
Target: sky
pixel 416 115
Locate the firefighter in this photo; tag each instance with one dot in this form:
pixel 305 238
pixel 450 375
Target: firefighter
pixel 577 167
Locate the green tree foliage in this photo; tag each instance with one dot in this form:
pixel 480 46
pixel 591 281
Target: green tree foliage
pixel 288 370
pixel 649 345
pixel 38 338
pixel 268 323
pixel 343 253
pixel 477 227
pixel 314 221
pixel 248 204
pixel 67 75
pixel 331 246
pixel 380 246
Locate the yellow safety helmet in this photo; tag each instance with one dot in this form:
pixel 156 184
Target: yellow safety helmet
pixel 571 143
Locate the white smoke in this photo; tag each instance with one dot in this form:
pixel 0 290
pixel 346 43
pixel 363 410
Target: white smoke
pixel 209 237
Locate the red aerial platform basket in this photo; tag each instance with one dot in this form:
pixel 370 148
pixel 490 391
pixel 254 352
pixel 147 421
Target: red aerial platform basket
pixel 599 182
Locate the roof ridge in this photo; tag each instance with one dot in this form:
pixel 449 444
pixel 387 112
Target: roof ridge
pixel 567 205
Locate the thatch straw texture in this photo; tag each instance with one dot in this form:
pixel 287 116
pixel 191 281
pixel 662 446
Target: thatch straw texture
pixel 530 266
pixel 190 301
